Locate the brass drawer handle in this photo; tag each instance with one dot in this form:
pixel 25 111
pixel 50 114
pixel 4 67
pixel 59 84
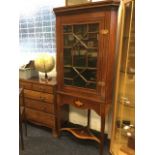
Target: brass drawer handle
pixel 78 104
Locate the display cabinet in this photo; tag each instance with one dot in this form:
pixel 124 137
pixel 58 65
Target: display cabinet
pixel 123 135
pixel 85 38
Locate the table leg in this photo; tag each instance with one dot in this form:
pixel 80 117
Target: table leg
pixel 102 134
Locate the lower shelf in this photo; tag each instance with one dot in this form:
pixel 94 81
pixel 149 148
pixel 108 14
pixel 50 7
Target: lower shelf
pixel 82 133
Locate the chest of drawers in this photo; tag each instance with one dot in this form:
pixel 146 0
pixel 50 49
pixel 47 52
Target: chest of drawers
pixel 39 102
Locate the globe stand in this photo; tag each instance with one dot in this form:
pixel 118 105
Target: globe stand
pixel 46 78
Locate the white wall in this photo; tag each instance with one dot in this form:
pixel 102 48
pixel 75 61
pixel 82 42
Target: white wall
pixel 80 117
pixel 28 6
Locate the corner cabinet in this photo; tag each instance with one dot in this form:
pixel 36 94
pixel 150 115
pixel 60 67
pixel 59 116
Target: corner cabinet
pixel 85 38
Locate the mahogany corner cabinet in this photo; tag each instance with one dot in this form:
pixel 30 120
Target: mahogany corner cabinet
pixel 86 60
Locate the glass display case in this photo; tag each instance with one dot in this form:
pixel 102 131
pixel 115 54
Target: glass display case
pixel 123 134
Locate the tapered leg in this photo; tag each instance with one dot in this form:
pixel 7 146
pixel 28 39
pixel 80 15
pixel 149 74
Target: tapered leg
pixel 54 132
pixel 102 134
pixel 21 134
pixel 88 119
pixel 25 123
pixel 58 122
pixel 24 113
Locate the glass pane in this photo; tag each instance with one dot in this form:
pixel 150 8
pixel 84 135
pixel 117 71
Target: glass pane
pixel 79 82
pixel 93 27
pixel 67 29
pixel 69 72
pixel 92 58
pixel 79 61
pixel 68 81
pixel 80 53
pixel 80 30
pixel 67 57
pixel 68 40
pixel 90 75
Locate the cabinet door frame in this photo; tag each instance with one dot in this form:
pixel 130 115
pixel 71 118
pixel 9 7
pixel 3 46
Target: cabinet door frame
pixel 102 51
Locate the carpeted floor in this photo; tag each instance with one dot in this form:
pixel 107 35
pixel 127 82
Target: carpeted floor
pixel 40 141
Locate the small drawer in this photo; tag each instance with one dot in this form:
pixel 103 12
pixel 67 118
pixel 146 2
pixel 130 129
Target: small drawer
pixel 80 102
pixel 43 88
pixel 40 117
pixel 38 105
pixel 25 85
pixel 44 97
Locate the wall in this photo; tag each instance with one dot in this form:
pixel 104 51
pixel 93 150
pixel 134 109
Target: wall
pixel 80 117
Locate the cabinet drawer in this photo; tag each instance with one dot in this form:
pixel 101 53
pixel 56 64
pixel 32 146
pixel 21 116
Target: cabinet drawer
pixel 44 97
pixel 80 102
pixel 43 88
pixel 40 117
pixel 39 105
pixel 25 85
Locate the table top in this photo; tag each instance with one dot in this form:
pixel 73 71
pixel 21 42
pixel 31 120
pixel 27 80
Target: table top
pixel 37 80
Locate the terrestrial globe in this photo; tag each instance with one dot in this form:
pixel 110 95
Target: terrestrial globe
pixel 44 63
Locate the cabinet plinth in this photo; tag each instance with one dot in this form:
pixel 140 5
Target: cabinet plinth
pixel 85 37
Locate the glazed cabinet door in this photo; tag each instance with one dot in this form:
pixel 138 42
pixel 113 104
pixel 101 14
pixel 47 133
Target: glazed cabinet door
pixel 82 53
